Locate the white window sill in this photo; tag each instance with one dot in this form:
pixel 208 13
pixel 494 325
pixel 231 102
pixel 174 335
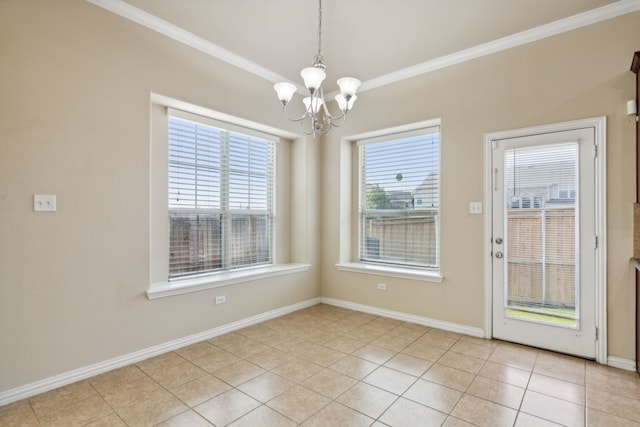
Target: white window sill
pixel 183 286
pixel 385 270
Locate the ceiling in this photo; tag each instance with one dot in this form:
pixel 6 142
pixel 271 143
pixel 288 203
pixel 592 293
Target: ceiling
pixel 377 41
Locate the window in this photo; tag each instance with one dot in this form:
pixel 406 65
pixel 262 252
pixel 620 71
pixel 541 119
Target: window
pixel 399 199
pixel 221 196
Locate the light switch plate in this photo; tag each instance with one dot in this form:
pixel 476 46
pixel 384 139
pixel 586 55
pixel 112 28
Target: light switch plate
pixel 44 203
pixel 475 207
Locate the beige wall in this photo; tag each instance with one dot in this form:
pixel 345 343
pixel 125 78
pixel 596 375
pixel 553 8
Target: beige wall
pixel 580 74
pixel 75 85
pixel 75 88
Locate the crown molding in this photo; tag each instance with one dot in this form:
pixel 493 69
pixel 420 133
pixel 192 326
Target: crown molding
pixel 613 10
pixel 551 29
pixel 139 16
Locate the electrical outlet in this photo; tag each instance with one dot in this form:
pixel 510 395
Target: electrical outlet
pixel 382 286
pixel 221 299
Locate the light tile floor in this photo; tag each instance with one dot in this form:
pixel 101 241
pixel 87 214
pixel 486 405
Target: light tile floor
pixel 328 366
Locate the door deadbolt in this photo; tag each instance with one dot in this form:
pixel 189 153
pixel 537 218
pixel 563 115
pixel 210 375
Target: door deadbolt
pixel 498 240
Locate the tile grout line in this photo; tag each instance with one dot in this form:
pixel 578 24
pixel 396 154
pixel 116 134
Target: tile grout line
pixel 526 388
pixel 308 327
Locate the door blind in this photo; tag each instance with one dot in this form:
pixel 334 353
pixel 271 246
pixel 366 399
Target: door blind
pixel 541 197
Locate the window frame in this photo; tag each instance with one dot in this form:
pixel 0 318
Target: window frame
pixel 398 213
pixel 225 210
pixel 158 259
pixel 349 248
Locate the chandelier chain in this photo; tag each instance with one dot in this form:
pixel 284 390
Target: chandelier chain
pixel 318 59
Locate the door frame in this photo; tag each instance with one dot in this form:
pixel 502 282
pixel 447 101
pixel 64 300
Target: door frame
pixel 599 124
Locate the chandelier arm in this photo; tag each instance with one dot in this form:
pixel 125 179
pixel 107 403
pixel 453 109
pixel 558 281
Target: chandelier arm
pixel 339 120
pixel 309 131
pixel 293 119
pixel 328 114
pixel 342 115
pixel 324 130
pixel 324 105
pixel 306 132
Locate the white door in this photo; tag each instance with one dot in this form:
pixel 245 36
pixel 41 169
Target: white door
pixel 544 241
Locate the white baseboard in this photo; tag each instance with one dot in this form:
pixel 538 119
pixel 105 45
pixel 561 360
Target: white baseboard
pixel 426 321
pixel 619 362
pixel 32 389
pixel 613 361
pixel 28 390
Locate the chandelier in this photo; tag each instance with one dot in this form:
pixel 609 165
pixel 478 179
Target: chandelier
pixel 316 119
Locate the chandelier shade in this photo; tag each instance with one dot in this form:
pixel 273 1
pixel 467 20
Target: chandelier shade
pixel 343 103
pixel 348 86
pixel 313 78
pixel 285 91
pixel 312 105
pixel 316 119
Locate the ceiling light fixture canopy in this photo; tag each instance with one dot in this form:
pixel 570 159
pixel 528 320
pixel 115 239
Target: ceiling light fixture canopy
pixel 316 119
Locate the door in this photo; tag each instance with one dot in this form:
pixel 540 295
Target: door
pixel 544 241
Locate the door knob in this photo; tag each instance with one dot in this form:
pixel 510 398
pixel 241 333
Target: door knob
pixel 498 255
pixel 499 240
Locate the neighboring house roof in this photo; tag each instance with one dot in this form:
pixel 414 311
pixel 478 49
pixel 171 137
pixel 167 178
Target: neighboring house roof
pixel 428 192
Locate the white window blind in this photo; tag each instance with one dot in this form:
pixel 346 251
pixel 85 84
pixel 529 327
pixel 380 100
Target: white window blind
pixel 221 196
pixel 400 199
pixel 541 188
